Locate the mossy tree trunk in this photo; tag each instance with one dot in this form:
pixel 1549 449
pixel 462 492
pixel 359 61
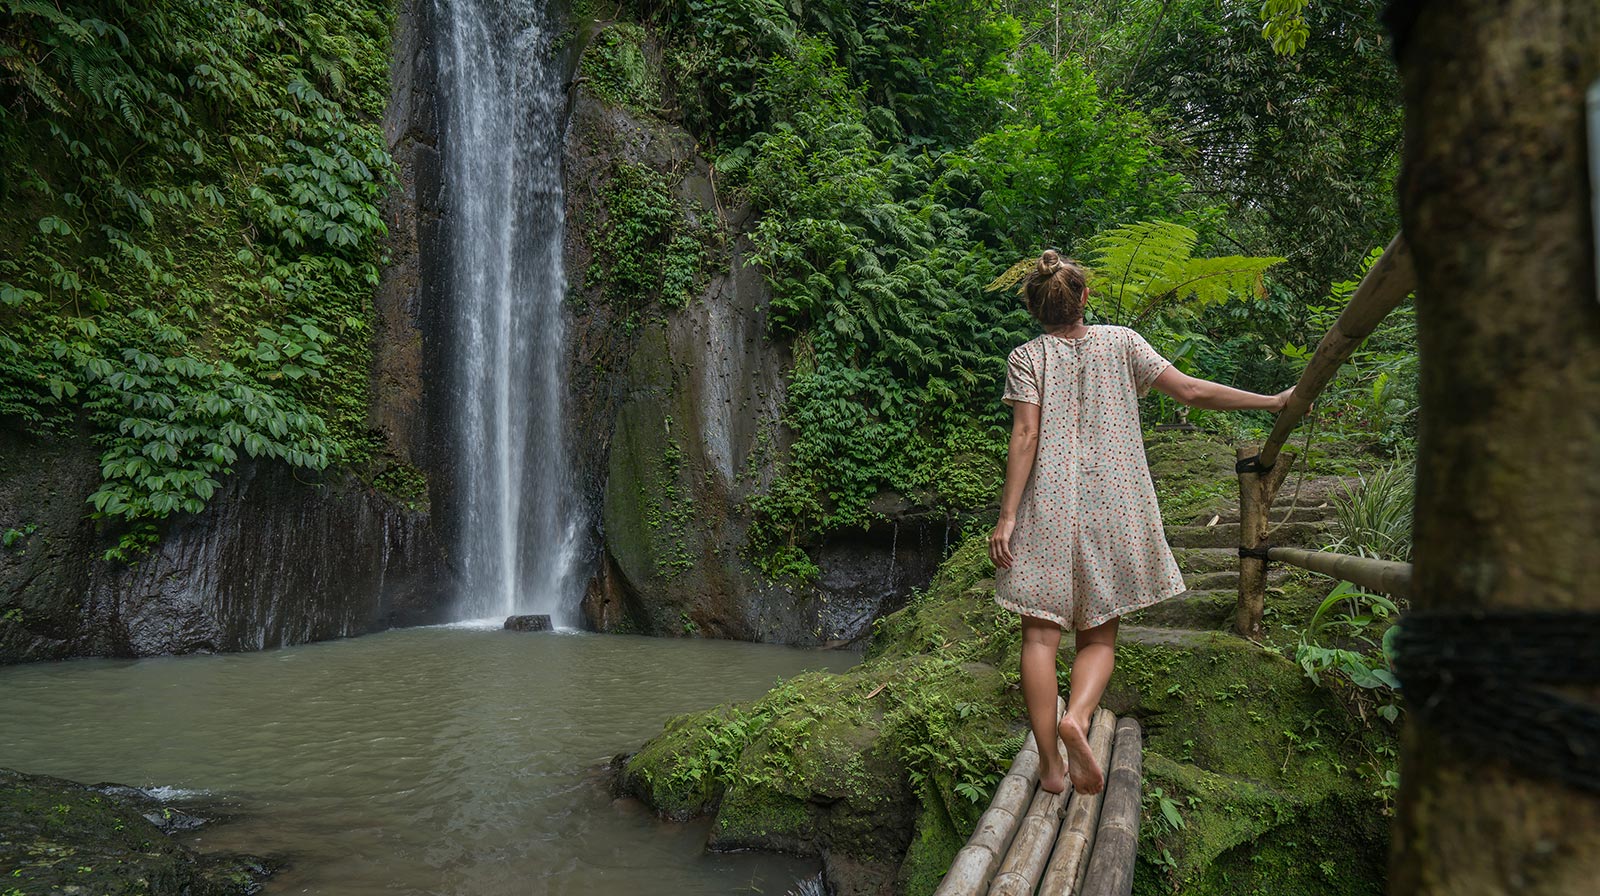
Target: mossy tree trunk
pixel 1494 200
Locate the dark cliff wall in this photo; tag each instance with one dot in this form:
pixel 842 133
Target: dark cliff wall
pixel 677 411
pixel 277 557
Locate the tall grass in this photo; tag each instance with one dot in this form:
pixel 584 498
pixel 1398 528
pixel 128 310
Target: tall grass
pixel 1374 517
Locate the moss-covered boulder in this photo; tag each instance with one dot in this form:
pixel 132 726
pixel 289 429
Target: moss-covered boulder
pixel 1257 781
pixel 57 836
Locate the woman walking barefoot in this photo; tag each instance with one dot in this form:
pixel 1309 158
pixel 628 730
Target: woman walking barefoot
pixel 1079 541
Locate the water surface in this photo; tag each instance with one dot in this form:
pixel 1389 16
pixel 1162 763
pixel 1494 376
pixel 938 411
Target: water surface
pixel 440 760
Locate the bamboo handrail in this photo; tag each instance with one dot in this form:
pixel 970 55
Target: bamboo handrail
pixel 1382 576
pixel 1391 278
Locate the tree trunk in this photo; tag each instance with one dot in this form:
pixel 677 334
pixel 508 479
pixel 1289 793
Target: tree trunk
pixel 1494 201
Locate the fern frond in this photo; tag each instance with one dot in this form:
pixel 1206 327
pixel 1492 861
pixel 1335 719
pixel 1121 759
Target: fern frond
pixel 1211 281
pixel 1011 276
pixel 1127 259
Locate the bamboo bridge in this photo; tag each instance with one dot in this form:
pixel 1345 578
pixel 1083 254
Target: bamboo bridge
pixel 1030 841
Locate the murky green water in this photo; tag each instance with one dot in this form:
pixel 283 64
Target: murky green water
pixel 421 761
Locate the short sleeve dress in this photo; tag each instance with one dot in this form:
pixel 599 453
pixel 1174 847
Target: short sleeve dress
pixel 1088 544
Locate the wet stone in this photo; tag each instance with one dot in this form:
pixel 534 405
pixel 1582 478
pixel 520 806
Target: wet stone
pixel 531 623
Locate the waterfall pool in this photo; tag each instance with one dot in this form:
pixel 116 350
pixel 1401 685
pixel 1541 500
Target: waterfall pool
pixel 434 760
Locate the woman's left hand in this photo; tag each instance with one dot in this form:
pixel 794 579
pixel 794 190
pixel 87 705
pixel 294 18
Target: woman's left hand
pixel 1000 543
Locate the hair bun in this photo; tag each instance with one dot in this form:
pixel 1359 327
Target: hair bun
pixel 1049 262
pixel 1055 291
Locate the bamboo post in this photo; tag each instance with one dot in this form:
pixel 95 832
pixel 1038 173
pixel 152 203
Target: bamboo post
pixel 1116 842
pixel 974 866
pixel 1257 489
pixel 1382 576
pixel 1069 863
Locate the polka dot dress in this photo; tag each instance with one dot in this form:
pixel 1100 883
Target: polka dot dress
pixel 1088 544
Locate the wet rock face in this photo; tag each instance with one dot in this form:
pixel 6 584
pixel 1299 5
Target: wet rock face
pixel 47 546
pixel 676 422
pixel 57 836
pixel 272 561
pixel 408 297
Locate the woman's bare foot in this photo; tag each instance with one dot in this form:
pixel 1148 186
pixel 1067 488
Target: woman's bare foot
pixel 1081 767
pixel 1052 772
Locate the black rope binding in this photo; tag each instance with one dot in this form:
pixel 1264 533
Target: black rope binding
pixel 1259 553
pixel 1251 464
pixel 1487 681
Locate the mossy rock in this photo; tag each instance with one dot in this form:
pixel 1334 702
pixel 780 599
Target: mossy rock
pixel 888 765
pixel 58 836
pixel 620 65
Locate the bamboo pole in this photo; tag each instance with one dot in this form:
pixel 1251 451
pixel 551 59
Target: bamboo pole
pixel 1382 576
pixel 1030 849
pixel 974 866
pixel 1069 862
pixel 1391 278
pixel 1256 492
pixel 1116 842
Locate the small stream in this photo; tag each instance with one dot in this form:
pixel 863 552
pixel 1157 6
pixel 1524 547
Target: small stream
pixel 422 761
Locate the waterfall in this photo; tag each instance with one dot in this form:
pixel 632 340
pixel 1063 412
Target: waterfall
pixel 518 529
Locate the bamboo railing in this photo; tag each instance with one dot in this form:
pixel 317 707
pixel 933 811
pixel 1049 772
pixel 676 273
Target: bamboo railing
pixel 1261 472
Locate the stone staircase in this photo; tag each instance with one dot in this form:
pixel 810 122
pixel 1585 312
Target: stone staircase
pixel 1207 551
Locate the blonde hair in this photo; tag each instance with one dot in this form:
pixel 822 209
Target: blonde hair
pixel 1054 291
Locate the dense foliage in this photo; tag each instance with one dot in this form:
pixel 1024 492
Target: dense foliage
pixel 901 155
pixel 191 243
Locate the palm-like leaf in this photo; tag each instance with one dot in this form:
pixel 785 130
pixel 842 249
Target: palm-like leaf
pixel 1137 268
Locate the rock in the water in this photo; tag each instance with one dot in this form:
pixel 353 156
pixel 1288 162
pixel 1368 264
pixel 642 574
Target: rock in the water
pixel 537 622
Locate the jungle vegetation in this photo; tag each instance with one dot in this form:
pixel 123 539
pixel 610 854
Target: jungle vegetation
pixel 187 267
pixel 904 154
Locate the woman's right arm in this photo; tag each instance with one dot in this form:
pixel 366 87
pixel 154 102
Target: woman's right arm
pixel 1020 457
pixel 1198 393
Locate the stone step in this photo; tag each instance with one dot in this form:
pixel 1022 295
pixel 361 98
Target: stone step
pixel 1228 578
pixel 1198 561
pixel 1192 609
pixel 1176 637
pixel 1213 581
pixel 1301 514
pixel 1227 535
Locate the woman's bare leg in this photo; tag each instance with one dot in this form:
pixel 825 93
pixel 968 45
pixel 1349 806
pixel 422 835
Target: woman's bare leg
pixel 1091 671
pixel 1041 640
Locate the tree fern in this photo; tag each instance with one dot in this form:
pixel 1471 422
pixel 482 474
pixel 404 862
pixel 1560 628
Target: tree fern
pixel 1138 269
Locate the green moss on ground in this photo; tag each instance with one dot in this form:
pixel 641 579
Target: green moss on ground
pixel 890 763
pixel 1193 475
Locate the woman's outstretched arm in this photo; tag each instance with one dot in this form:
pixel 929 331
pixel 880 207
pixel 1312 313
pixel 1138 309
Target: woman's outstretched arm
pixel 1198 393
pixel 1019 466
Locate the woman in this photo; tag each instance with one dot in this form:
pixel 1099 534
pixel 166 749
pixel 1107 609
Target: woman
pixel 1079 539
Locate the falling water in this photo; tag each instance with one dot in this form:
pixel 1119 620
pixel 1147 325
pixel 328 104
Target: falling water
pixel 501 80
pixel 894 551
